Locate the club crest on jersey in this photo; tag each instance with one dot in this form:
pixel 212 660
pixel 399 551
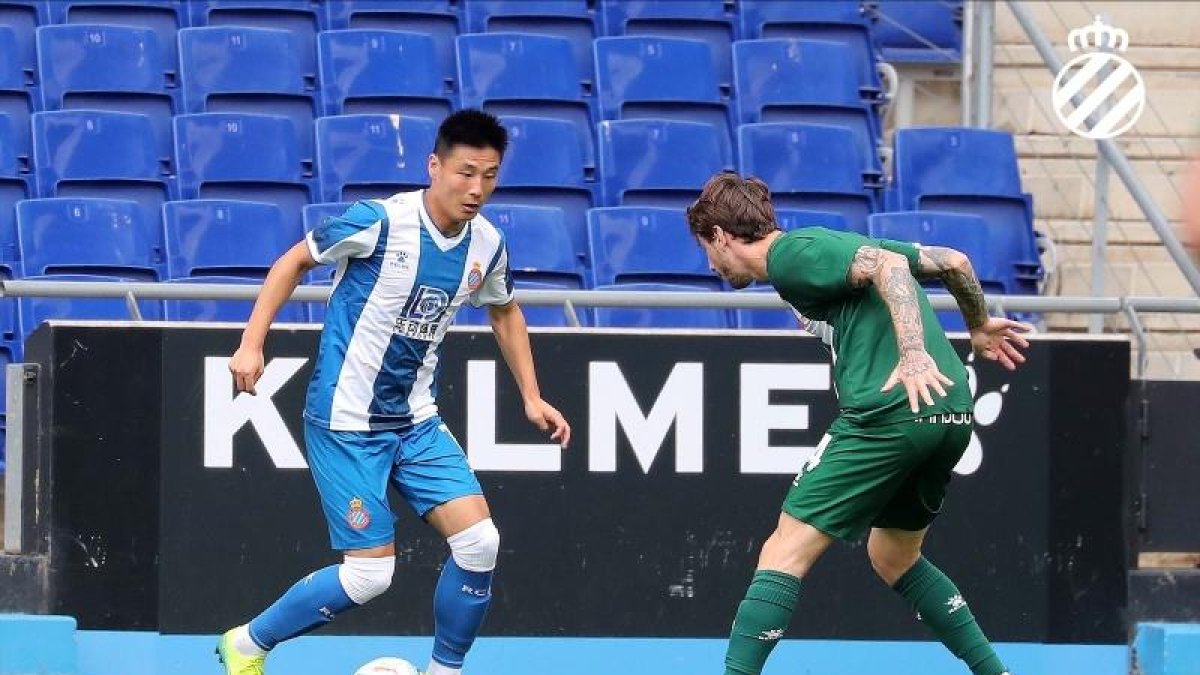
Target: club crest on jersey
pixel 358 517
pixel 475 277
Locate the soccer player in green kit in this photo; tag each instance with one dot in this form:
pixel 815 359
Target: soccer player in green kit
pixel 905 409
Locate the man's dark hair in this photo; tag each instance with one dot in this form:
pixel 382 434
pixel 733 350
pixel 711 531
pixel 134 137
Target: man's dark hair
pixel 473 128
pixel 740 206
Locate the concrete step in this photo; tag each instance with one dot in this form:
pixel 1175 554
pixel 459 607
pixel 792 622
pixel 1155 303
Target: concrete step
pixel 1159 23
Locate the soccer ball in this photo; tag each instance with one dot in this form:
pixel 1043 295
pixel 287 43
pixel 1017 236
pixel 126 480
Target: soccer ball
pixel 388 666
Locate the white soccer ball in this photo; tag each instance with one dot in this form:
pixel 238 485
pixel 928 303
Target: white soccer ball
pixel 388 666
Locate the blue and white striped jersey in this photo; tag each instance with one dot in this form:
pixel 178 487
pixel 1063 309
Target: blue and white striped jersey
pixel 398 284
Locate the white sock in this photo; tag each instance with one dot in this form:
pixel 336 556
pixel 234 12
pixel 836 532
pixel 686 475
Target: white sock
pixel 436 668
pixel 244 644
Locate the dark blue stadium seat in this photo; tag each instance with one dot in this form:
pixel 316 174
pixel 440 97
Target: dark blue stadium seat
pixel 632 244
pixel 372 156
pixel 842 21
pixel 807 81
pixel 14 186
pixel 18 98
pixel 302 18
pixel 242 157
pixel 249 70
pixel 791 219
pixel 571 19
pixel 711 21
pixel 642 77
pixel 535 315
pixel 34 311
pixel 226 310
pixel 808 166
pixel 164 17
pixel 540 247
pixel 765 319
pixel 919 32
pixel 88 236
pixel 436 18
pixel 213 237
pixel 526 75
pixel 531 175
pixel 656 162
pixel 116 68
pixel 20 18
pixel 660 317
pixel 90 153
pixel 382 72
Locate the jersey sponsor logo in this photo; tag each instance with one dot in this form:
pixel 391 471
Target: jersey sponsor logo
pixel 358 517
pixel 423 314
pixel 475 277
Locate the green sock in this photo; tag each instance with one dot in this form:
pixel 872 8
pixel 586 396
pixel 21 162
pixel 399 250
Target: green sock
pixel 761 620
pixel 940 606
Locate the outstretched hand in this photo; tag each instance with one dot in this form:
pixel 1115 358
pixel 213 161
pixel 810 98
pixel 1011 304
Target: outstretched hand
pixel 1001 340
pixel 918 372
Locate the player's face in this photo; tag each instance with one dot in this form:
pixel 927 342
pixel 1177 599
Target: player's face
pixel 723 261
pixel 462 181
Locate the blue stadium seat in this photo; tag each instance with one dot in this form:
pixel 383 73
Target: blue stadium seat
pixel 226 310
pixel 632 244
pixel 242 157
pixel 19 19
pixel 571 19
pixel 382 72
pixel 116 68
pixel 535 315
pixel 164 17
pixel 213 237
pixel 315 214
pixel 919 32
pixel 14 186
pixel 791 219
pixel 765 319
pixel 249 70
pixel 842 21
pixel 91 153
pixel 711 21
pixel 807 81
pixel 807 166
pixel 18 98
pixel 526 75
pixel 659 317
pixel 531 175
pixel 302 18
pixel 656 162
pixel 33 311
pixel 640 77
pixel 372 156
pixel 540 247
pixel 436 18
pixel 88 236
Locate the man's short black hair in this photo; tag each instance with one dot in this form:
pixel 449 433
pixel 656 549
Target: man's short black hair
pixel 473 128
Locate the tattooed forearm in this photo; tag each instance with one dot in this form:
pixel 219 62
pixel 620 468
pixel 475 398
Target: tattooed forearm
pixel 956 272
pixel 864 267
pixel 889 273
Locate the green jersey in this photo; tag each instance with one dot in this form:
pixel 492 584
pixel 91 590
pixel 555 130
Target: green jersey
pixel 810 267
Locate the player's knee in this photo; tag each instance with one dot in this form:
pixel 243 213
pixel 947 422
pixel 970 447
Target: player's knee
pixel 890 563
pixel 366 578
pixel 475 548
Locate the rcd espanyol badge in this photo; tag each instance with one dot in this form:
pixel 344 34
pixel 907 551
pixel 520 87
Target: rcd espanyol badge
pixel 475 278
pixel 358 517
pixel 1107 86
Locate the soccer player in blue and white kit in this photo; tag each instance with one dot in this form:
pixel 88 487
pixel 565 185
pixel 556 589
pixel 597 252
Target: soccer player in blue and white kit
pixel 405 265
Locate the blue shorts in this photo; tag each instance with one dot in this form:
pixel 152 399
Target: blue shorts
pixel 352 470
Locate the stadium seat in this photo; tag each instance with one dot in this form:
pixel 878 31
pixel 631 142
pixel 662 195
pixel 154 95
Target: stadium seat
pixel 641 77
pixel 808 166
pixel 535 315
pixel 90 153
pixel 115 68
pixel 711 21
pixel 806 81
pixel 212 237
pixel 656 162
pixel 765 319
pixel 382 72
pixel 226 310
pixel 88 236
pixel 35 310
pixel 372 156
pixel 18 21
pixel 570 19
pixel 242 157
pixel 660 317
pixel 632 244
pixel 791 219
pixel 163 17
pixel 531 175
pixel 834 20
pixel 436 18
pixel 919 32
pixel 14 186
pixel 526 75
pixel 249 70
pixel 301 18
pixel 540 247
pixel 18 98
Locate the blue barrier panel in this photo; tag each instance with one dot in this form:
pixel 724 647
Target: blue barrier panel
pixel 44 645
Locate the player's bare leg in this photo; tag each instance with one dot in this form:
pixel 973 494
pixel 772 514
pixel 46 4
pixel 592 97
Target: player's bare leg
pixel 896 557
pixel 465 588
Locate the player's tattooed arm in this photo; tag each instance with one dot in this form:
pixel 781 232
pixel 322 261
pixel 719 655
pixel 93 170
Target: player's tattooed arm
pixel 956 272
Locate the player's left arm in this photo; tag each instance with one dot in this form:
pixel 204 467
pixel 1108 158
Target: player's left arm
pixel 512 334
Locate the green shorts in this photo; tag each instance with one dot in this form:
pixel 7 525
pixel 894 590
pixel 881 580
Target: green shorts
pixel 891 476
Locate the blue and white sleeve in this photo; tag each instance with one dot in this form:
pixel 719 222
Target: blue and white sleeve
pixel 354 234
pixel 497 286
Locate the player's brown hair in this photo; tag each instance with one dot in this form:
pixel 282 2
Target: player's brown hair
pixel 740 206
